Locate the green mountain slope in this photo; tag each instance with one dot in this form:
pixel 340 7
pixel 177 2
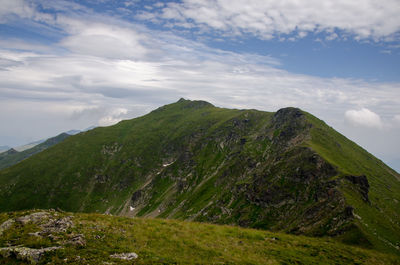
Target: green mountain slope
pixel 65 238
pixel 284 171
pixel 12 157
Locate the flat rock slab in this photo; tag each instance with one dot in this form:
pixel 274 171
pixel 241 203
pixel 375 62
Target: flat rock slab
pixel 125 256
pixel 34 218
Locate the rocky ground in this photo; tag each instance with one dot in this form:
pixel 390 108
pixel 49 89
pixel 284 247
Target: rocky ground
pixel 49 227
pixel 53 237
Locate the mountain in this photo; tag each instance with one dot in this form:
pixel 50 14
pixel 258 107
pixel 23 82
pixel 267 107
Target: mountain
pixel 28 146
pixel 20 153
pixel 4 148
pixel 73 132
pixel 285 171
pixel 51 237
pixel 12 156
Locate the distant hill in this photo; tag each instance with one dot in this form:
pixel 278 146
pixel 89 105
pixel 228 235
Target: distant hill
pixel 22 152
pixel 284 171
pixel 73 132
pixel 4 148
pixel 12 156
pixel 28 146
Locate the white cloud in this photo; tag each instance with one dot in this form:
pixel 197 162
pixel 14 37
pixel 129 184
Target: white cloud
pixel 106 41
pixel 364 117
pixel 15 8
pixel 116 115
pixel 268 18
pixel 110 70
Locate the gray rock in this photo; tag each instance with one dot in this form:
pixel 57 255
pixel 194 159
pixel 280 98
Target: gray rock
pixel 125 256
pixel 77 240
pixel 57 225
pixel 30 255
pixel 35 218
pixel 6 225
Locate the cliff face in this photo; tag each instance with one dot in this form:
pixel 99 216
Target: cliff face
pixel 284 171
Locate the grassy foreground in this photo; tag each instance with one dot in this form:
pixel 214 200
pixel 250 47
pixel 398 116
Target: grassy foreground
pixel 161 241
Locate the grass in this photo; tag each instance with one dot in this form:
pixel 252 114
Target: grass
pixel 161 241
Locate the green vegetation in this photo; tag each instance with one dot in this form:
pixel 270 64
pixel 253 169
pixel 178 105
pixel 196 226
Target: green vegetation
pixel 12 157
pixel 285 171
pixel 160 241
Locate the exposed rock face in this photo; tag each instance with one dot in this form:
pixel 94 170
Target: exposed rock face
pixel 287 188
pixel 361 182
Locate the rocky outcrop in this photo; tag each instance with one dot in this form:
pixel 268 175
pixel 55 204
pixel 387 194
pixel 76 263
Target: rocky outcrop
pixel 30 255
pixel 49 225
pixel 361 184
pixel 6 225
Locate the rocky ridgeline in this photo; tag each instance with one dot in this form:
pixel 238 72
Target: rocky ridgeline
pixel 50 225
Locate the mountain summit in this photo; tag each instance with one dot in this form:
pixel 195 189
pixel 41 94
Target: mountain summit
pixel 284 171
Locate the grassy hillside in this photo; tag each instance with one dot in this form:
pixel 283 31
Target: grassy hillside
pixel 379 217
pixel 284 171
pixel 160 241
pixel 12 156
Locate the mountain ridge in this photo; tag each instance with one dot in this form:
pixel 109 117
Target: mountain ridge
pixel 284 171
pixel 12 156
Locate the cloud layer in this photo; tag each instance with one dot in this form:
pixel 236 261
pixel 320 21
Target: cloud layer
pixel 102 69
pixel 363 19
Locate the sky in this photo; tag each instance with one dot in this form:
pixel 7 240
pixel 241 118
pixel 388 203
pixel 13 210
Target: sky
pixel 74 64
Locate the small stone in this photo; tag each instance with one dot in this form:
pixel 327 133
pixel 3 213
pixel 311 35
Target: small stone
pixel 37 234
pixel 77 240
pixel 125 256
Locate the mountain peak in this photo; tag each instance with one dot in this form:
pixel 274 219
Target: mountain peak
pixel 289 113
pixel 187 103
pixel 11 151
